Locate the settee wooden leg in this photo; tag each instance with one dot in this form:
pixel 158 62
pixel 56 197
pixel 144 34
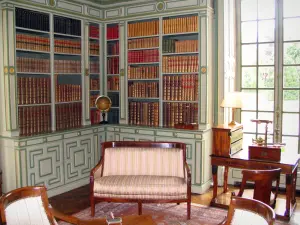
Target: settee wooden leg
pixel 92 207
pixel 140 208
pixel 189 210
pixel 178 203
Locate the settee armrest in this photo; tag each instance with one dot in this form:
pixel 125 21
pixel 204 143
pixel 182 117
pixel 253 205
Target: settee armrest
pixel 97 171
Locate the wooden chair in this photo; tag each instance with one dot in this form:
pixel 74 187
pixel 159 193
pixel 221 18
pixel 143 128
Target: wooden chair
pixel 248 211
pixel 29 205
pixel 263 180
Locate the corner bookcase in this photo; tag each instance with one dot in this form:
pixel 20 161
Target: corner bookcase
pixel 58 58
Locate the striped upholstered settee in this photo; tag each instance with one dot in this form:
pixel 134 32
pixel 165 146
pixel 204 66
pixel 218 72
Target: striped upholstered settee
pixel 141 172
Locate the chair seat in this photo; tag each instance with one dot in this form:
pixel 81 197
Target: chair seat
pixel 141 187
pixel 249 193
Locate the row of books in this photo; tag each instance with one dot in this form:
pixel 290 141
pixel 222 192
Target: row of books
pixel 180 64
pixel 113 48
pixel 32 42
pixel 174 113
pixel 143 89
pixel 151 55
pixel 93 100
pixel 26 64
pixel 143 113
pixel 94 67
pixel 66 25
pixel 94 84
pixel 176 46
pixel 32 19
pixel 67 92
pixel 143 43
pixel 95 116
pixel 113 116
pixel 67 46
pixel 34 120
pixel 68 116
pixel 180 87
pixel 180 25
pixel 67 66
pixel 94 48
pixel 145 28
pixel 113 83
pixel 33 90
pixel 112 32
pixel 113 65
pixel 143 72
pixel 94 31
pixel 114 97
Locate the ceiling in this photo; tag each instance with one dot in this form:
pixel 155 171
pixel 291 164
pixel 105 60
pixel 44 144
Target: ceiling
pixel 108 2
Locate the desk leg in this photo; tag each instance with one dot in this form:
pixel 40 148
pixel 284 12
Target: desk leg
pixel 294 187
pixel 215 180
pixel 225 188
pixel 289 193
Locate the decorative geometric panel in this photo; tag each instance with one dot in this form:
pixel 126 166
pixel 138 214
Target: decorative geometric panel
pixel 45 165
pixel 78 157
pixel 189 151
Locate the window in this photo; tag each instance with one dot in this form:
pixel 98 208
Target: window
pixel 269 65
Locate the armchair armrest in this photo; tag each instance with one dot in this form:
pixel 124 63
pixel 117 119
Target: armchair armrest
pixel 187 174
pixel 64 217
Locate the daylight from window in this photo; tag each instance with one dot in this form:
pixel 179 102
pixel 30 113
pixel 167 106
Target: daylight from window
pixel 270 69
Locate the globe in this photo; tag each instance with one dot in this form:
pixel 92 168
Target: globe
pixel 103 104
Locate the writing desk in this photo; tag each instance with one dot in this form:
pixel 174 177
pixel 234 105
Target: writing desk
pixel 288 165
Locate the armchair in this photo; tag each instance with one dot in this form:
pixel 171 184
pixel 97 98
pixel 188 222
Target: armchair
pixel 248 211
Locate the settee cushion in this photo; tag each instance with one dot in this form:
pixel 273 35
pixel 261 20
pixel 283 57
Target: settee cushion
pixel 143 161
pixel 141 187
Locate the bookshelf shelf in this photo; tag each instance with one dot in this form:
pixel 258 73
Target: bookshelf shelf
pixel 75 74
pixel 94 55
pixel 111 56
pixel 181 34
pixel 32 30
pixel 109 40
pixel 66 54
pixel 112 74
pixel 28 105
pixel 147 79
pixel 183 101
pixel 67 35
pixel 136 49
pixel 182 73
pixel 31 51
pixel 115 91
pixel 33 73
pixel 94 38
pixel 142 63
pixel 95 90
pixel 145 98
pixel 114 107
pixel 181 53
pixel 60 103
pixel 147 36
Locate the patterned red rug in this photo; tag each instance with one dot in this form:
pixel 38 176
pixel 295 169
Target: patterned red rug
pixel 163 214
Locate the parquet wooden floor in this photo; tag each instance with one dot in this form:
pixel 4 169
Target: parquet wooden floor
pixel 78 199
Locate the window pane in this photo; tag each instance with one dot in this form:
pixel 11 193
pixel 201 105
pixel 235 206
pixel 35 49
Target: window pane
pixel 248 77
pixel 266 54
pixel 266 30
pixel 249 54
pixel 247 140
pixel 291 8
pixel 291 53
pixel 265 100
pixel 248 10
pixel 266 77
pixel 291 77
pixel 291 29
pixel 266 9
pixel 249 32
pixel 262 126
pixel 248 126
pixel 291 101
pixel 291 144
pixel 290 124
pixel 249 102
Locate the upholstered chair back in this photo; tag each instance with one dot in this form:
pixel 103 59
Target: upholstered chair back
pixel 143 161
pixel 27 211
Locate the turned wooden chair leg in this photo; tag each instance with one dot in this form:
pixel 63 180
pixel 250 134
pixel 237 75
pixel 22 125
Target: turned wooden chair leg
pixel 140 208
pixel 92 207
pixel 188 210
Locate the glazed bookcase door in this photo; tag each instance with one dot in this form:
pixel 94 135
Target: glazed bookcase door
pixel 112 71
pixel 33 64
pixel 143 72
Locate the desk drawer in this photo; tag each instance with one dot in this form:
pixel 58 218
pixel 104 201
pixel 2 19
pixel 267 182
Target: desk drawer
pixel 236 135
